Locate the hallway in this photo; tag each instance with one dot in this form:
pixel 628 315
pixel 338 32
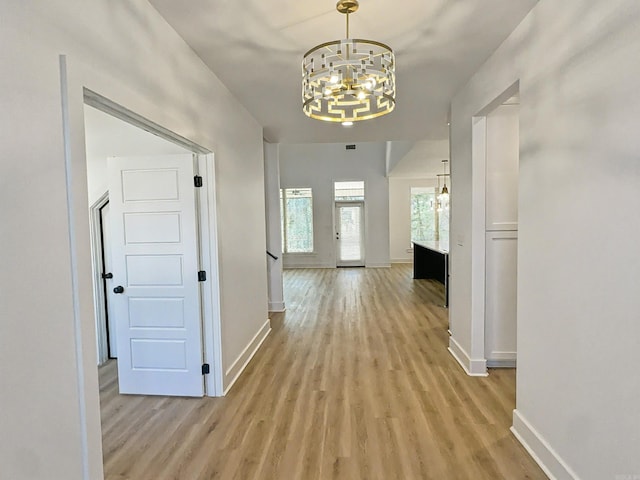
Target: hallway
pixel 354 382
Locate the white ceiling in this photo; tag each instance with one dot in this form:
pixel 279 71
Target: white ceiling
pixel 255 47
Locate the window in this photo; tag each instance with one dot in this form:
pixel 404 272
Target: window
pixel 424 225
pixel 429 215
pixel 349 191
pixel 296 207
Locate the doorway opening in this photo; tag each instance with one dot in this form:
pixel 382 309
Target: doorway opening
pixel 496 154
pixel 350 234
pixel 101 262
pixel 349 224
pixel 148 234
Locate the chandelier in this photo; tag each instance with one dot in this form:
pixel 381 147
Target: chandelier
pixel 348 80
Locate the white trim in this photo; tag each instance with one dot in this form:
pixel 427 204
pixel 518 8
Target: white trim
pixel 544 455
pixel 508 363
pixel 308 265
pixel 97 266
pixel 105 105
pixel 401 260
pixel 478 241
pixel 276 307
pixel 498 359
pixel 502 226
pixel 73 255
pixel 211 315
pixel 473 368
pixel 378 265
pixel 236 369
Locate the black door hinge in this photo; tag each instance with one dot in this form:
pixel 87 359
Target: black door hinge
pixel 205 369
pixel 197 181
pixel 107 275
pixel 202 276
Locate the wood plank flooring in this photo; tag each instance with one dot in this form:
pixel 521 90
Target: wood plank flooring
pixel 354 382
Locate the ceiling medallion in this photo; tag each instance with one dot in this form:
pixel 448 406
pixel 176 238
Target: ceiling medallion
pixel 348 80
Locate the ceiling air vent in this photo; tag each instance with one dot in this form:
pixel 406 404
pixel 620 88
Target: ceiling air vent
pixel 351 147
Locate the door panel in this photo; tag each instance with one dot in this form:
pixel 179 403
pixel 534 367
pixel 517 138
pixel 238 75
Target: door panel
pixel 500 298
pixel 350 234
pixel 155 260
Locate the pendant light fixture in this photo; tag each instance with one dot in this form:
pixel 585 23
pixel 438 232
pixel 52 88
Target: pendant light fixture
pixel 348 80
pixel 443 197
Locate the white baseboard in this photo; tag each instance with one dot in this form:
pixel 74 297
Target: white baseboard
pixel 546 457
pixel 402 260
pixel 502 359
pixel 377 265
pixel 307 265
pixel 235 370
pixel 276 307
pixel 473 368
pixel 502 363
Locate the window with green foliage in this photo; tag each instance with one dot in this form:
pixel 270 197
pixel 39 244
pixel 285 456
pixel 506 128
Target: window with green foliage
pixel 296 207
pixel 423 214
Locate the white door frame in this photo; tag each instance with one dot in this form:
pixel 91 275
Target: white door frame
pixel 207 228
pixel 478 360
pixel 336 223
pixel 97 265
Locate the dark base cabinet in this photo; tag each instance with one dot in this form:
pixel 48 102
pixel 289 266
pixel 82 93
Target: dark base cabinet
pixel 431 262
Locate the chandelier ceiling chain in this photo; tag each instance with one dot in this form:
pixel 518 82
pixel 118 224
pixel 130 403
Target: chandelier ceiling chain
pixel 348 80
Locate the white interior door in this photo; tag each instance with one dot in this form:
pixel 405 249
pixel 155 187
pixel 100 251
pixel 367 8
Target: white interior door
pixel 154 253
pixel 350 234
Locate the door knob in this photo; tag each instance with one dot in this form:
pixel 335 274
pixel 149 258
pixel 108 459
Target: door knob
pixel 118 289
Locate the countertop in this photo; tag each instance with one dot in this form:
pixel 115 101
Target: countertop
pixel 441 247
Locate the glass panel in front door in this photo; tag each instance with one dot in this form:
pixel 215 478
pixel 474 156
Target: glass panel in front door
pixel 350 235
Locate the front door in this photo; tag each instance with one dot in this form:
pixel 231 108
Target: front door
pixel 350 234
pixel 154 253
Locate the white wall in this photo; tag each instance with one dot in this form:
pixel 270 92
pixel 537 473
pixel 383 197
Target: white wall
pixel 126 52
pixel 400 215
pixel 578 384
pixel 318 166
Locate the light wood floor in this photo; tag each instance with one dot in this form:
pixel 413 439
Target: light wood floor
pixel 354 382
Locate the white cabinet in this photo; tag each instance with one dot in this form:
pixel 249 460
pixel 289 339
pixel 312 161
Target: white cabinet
pixel 500 298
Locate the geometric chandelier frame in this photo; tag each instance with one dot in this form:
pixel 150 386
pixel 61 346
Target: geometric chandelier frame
pixel 348 80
